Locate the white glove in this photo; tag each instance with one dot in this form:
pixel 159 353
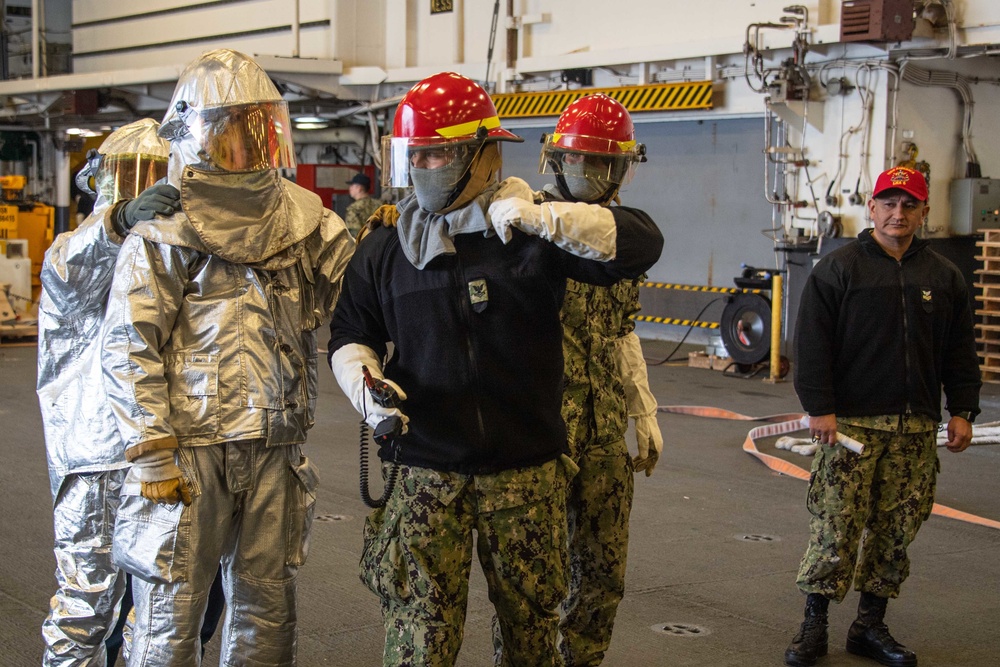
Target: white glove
pixel 162 481
pixel 585 230
pixel 346 363
pixel 640 402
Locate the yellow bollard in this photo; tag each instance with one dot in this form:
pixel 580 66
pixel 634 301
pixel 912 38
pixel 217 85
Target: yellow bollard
pixel 777 283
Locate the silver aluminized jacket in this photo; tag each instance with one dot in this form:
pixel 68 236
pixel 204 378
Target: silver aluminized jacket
pixel 205 350
pixel 80 431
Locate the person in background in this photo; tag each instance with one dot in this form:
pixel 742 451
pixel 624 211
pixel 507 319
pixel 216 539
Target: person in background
pixel 470 302
pixel 210 367
pixel 363 205
pixel 884 325
pixel 84 451
pixel 592 152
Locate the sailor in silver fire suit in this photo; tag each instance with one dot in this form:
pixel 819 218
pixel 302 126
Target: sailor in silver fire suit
pixel 210 363
pixel 85 460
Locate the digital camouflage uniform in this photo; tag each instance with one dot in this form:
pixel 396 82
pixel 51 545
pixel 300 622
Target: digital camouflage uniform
pixel 358 213
pixel 600 496
pixel 887 492
pixel 418 556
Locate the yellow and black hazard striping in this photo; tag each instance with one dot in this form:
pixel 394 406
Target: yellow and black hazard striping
pixel 674 320
pixel 701 288
pixel 657 97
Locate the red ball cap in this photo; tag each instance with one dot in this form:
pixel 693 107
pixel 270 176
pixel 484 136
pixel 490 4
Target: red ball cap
pixel 902 178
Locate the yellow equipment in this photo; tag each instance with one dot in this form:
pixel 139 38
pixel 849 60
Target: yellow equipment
pixel 28 220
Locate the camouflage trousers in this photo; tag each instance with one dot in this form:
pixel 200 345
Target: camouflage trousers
pixel 418 556
pixel 873 503
pixel 598 507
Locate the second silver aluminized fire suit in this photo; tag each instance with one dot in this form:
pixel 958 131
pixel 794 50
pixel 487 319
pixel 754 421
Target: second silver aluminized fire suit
pixel 85 460
pixel 210 340
pixel 86 464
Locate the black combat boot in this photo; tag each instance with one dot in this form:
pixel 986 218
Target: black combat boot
pixel 810 642
pixel 870 637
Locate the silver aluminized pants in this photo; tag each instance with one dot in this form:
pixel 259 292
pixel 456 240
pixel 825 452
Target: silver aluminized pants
pixel 252 509
pixel 84 609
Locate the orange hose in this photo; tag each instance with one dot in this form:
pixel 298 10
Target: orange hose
pixel 789 423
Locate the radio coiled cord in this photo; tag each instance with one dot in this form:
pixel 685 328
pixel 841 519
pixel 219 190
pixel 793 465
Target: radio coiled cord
pixel 390 478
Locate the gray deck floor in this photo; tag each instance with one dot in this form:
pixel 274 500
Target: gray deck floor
pixel 690 563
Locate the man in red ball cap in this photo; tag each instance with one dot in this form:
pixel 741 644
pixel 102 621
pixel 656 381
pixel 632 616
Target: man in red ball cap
pixel 897 208
pixel 884 325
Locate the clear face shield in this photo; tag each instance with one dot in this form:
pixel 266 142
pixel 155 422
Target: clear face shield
pixel 611 165
pixel 590 175
pixel 124 176
pixel 435 168
pixel 401 155
pixel 237 138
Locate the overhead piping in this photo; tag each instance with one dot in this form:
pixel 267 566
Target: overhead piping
pixel 364 108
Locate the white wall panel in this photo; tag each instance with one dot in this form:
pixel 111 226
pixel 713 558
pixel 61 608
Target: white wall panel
pixel 401 34
pixel 271 45
pixel 85 11
pixel 360 30
pixel 978 13
pixel 397 33
pixel 216 20
pixel 664 24
pixel 435 38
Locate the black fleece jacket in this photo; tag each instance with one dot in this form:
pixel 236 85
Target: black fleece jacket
pixel 881 337
pixel 477 343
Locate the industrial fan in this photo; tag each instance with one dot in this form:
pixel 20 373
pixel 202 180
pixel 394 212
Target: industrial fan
pixel 746 324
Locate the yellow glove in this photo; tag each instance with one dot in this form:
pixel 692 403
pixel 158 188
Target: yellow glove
pixel 162 481
pixel 650 442
pixel 640 402
pixel 385 215
pixel 168 492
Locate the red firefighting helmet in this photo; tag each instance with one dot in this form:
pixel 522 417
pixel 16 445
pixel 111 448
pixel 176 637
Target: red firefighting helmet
pixel 444 110
pixel 596 136
pixel 596 124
